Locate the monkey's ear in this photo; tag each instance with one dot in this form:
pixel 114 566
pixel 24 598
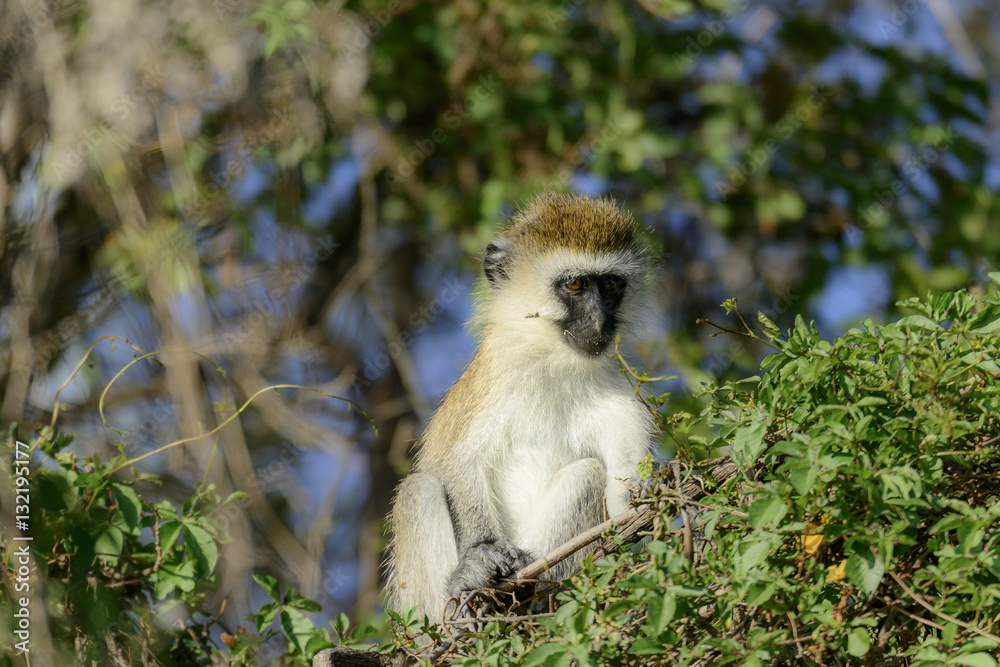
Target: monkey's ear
pixel 496 262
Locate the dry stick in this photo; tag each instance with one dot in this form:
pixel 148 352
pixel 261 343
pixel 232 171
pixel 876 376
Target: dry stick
pixel 567 549
pixel 630 524
pixel 940 614
pixel 895 606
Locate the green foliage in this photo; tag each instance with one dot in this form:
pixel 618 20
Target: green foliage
pixel 860 530
pixel 861 527
pixel 114 565
pixel 112 561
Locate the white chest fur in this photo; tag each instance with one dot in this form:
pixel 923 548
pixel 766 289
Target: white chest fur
pixel 557 425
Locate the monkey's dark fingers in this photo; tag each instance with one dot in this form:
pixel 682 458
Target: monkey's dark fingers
pixel 514 559
pixel 485 565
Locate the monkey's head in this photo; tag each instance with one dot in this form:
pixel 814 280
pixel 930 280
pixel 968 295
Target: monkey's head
pixel 567 269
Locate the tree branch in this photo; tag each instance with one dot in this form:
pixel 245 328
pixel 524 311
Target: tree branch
pixel 630 523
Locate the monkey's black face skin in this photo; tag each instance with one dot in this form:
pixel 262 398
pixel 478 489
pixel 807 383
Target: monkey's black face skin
pixel 592 302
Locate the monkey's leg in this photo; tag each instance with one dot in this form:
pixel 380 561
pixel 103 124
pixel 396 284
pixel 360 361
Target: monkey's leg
pixel 572 503
pixel 424 551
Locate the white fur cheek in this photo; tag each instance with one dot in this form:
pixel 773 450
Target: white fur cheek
pixel 524 313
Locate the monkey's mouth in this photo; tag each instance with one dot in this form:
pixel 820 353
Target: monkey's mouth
pixel 591 346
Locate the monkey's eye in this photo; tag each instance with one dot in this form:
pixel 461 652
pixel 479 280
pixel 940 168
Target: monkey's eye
pixel 574 284
pixel 610 284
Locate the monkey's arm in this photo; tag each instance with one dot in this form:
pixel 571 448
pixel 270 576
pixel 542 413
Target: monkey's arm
pixel 622 454
pixel 485 554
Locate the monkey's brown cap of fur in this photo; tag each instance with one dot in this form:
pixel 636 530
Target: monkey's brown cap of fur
pixel 588 225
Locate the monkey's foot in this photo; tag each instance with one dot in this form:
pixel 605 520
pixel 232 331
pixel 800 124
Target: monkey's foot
pixel 486 565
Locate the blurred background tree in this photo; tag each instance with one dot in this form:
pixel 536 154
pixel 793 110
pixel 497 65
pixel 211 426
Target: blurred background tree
pixel 299 190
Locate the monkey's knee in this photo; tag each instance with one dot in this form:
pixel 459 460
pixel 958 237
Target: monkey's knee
pixel 582 483
pixel 572 503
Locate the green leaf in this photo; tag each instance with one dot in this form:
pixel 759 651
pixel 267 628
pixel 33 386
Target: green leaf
pixel 363 632
pixel 550 654
pixel 296 627
pixel 108 545
pixel 661 611
pixel 748 443
pixel 166 510
pixel 646 646
pixel 90 481
pixel 171 577
pixel 750 554
pixel 317 643
pixel 269 584
pixel 341 624
pixel 772 359
pixel 169 532
pixel 918 322
pixel 986 322
pixel 771 329
pixel 128 503
pixel 974 660
pixel 978 360
pixel 265 615
pixel 803 479
pixel 202 547
pixel 299 601
pixel 767 510
pixel 858 642
pixel 863 569
pixel 759 593
pixel 234 496
pixel 870 400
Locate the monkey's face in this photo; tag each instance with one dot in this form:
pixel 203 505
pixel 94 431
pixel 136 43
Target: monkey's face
pixel 592 302
pixel 564 279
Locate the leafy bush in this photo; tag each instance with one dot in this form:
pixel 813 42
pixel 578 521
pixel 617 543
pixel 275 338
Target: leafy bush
pixel 109 561
pixel 859 528
pixel 119 576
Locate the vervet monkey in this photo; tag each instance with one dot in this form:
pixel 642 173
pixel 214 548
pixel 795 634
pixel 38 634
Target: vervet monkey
pixel 543 427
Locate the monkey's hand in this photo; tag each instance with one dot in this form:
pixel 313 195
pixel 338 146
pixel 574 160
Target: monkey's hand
pixel 486 564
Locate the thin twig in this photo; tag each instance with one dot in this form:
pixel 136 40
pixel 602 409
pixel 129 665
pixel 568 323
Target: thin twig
pixel 940 614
